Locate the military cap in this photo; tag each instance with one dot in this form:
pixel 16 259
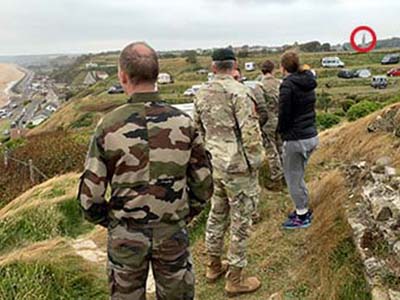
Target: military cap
pixel 223 54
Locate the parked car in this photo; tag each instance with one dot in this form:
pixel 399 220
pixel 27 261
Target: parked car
pixel 116 89
pixel 394 72
pixel 390 59
pixel 165 78
pixel 332 62
pixel 192 91
pixel 379 82
pixel 363 73
pixel 3 113
pixel 202 72
pixel 346 74
pixel 250 66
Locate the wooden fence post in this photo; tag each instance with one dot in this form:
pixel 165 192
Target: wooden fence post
pixel 31 171
pixel 6 158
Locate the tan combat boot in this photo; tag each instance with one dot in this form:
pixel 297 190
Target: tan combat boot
pixel 237 284
pixel 215 268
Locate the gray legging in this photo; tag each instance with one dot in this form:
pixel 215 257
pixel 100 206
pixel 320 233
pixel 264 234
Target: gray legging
pixel 295 157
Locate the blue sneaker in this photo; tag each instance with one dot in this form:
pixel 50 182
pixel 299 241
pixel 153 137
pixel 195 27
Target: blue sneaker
pixel 297 223
pixel 293 214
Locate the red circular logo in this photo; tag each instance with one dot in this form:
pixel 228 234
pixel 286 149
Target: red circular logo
pixel 362 49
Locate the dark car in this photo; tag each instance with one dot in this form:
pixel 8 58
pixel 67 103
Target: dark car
pixel 390 59
pixel 346 74
pixel 116 89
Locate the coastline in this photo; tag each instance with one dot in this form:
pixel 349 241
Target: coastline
pixel 11 75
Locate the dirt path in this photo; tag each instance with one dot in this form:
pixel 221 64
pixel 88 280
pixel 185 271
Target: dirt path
pixel 88 250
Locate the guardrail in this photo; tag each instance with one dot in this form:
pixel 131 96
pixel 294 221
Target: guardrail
pixel 29 164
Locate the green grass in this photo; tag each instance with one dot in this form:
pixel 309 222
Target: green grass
pixel 42 223
pixel 353 285
pixel 60 280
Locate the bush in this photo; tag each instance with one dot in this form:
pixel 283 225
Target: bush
pixel 326 120
pixel 52 153
pixel 340 113
pixel 86 120
pixel 347 104
pixel 324 101
pixel 362 109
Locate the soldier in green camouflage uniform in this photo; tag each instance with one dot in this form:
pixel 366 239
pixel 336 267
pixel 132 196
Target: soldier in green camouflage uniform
pixel 153 158
pixel 225 114
pixel 272 142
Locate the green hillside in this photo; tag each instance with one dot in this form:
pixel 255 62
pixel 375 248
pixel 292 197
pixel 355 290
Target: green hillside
pixel 53 254
pixel 47 251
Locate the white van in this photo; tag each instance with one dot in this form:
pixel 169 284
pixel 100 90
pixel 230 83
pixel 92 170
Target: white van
pixel 164 78
pixel 332 62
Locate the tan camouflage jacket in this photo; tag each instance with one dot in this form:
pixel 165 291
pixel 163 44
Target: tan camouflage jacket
pixel 225 114
pixel 260 98
pixel 153 158
pixel 271 87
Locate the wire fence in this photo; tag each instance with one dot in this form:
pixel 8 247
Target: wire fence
pixel 28 164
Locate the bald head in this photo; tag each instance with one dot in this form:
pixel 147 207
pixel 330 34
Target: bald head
pixel 140 63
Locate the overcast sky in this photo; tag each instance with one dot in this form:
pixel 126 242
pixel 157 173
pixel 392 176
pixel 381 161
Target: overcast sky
pixel 80 26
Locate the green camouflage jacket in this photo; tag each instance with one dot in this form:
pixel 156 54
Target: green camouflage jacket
pixel 225 114
pixel 153 158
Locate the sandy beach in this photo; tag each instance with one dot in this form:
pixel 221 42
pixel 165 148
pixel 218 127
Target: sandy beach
pixel 9 75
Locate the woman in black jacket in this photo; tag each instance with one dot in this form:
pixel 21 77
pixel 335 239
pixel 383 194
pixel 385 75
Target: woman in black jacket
pixel 297 127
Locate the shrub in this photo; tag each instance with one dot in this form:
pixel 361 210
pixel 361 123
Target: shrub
pixel 347 104
pixel 326 120
pixel 14 144
pixel 54 153
pixel 362 109
pixel 86 120
pixel 324 101
pixel 340 113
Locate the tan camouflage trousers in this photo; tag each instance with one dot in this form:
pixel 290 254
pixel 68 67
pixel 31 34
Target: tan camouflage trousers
pixel 131 251
pixel 273 149
pixel 235 199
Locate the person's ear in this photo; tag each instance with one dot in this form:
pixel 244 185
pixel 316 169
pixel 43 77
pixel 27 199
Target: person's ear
pixel 123 77
pixel 235 65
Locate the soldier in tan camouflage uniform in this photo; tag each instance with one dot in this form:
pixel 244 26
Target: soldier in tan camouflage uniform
pixel 260 104
pixel 226 116
pixel 272 142
pixel 153 158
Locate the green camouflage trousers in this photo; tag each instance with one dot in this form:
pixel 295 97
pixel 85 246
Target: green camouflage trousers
pixel 273 149
pixel 131 250
pixel 235 199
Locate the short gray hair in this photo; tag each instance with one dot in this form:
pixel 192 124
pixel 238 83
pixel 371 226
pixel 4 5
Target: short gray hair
pixel 224 65
pixel 141 66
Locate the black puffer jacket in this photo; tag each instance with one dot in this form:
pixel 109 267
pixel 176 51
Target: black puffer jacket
pixel 297 107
